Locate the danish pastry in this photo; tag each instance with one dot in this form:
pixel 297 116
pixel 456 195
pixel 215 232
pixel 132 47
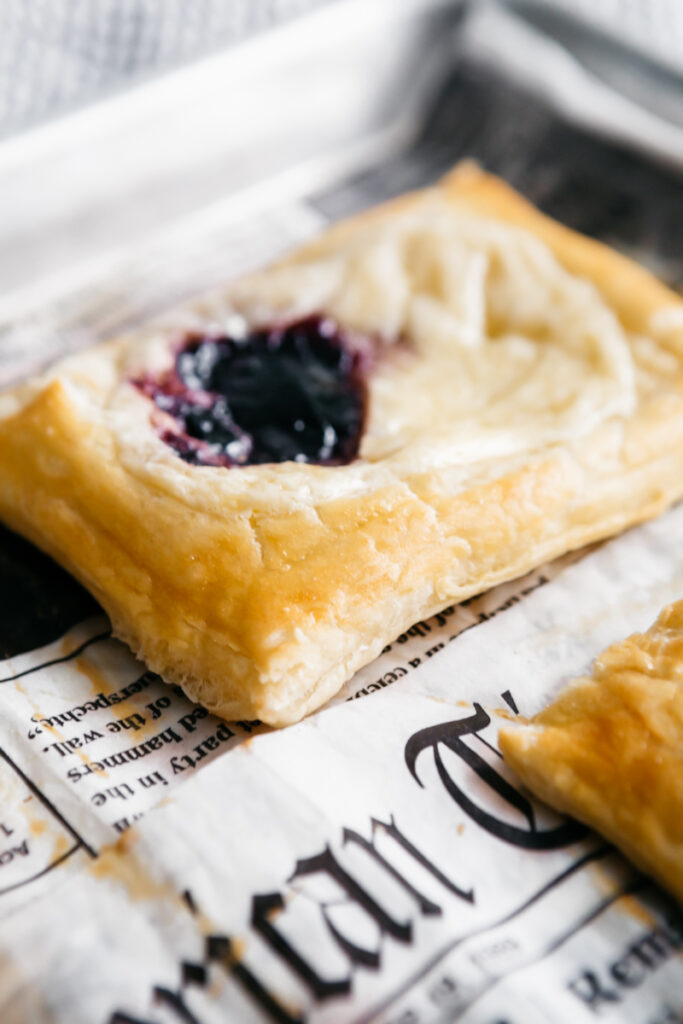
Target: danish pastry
pixel 609 750
pixel 264 489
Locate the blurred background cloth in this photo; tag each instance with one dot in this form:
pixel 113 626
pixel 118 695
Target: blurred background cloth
pixel 653 28
pixel 56 55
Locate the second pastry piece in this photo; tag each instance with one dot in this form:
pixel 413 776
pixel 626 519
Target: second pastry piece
pixel 609 750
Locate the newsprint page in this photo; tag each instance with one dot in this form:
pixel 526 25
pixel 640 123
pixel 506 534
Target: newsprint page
pixel 376 862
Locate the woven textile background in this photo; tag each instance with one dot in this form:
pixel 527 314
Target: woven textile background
pixel 652 27
pixel 57 54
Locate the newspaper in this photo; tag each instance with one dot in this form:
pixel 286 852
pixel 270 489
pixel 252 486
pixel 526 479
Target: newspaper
pixel 376 862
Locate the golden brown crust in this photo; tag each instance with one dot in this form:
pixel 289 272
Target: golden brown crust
pixel 261 590
pixel 609 750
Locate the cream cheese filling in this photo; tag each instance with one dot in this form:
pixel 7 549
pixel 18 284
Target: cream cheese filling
pixel 490 350
pixel 498 349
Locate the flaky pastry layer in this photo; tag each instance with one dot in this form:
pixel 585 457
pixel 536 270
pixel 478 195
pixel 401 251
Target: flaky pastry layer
pixel 530 401
pixel 609 750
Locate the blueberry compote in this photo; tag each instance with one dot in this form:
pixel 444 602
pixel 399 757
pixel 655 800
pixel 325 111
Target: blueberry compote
pixel 290 392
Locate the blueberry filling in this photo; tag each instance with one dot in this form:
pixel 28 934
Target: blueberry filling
pixel 292 392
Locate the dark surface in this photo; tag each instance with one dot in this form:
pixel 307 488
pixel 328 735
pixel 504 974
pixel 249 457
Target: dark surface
pixel 293 392
pixel 38 600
